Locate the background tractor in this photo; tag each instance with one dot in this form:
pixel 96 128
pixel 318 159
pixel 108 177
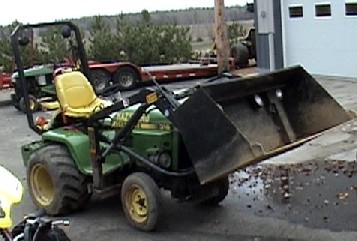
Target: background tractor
pixel 243 49
pixel 186 143
pixel 39 80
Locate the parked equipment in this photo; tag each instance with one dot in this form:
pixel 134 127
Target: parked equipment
pixel 185 143
pixel 241 51
pixel 5 80
pixel 33 227
pixel 124 75
pixel 39 80
pixel 244 49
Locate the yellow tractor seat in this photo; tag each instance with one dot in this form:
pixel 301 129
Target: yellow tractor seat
pixel 11 192
pixel 76 95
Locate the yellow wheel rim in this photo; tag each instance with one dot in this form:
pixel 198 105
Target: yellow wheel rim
pixel 32 105
pixel 137 204
pixel 42 185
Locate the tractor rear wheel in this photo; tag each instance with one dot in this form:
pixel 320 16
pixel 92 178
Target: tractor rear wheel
pixel 223 186
pixel 34 105
pixel 55 184
pixel 240 53
pixel 141 201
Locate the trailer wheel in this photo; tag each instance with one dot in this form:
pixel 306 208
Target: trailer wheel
pixel 126 78
pixel 100 78
pixel 141 201
pixel 240 53
pixel 223 187
pixel 54 182
pixel 34 105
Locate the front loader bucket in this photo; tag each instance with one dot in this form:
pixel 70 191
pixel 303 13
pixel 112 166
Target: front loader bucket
pixel 229 125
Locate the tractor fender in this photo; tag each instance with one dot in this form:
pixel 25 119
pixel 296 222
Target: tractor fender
pixel 78 146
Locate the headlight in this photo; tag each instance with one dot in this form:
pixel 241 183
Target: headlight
pixel 279 94
pixel 258 100
pixel 41 80
pixel 165 160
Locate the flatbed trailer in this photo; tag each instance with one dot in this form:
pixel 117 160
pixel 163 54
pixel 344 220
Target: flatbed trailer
pixel 178 71
pixel 5 80
pixel 128 75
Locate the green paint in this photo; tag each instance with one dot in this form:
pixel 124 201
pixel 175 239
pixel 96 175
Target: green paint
pixel 49 89
pixel 152 136
pixel 35 71
pixel 78 145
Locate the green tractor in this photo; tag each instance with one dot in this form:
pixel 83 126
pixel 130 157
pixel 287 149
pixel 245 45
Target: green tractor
pixel 187 143
pixel 39 80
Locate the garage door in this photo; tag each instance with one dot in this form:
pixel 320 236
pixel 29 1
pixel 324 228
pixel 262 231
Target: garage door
pixel 321 36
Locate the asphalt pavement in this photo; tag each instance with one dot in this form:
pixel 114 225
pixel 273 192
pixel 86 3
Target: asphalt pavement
pixel 5 97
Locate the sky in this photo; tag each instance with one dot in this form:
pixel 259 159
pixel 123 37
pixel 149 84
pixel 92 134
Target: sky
pixel 35 11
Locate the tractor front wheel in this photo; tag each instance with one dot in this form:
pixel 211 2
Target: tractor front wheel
pixel 55 184
pixel 141 201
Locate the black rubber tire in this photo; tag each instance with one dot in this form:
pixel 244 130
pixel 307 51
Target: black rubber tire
pixel 56 234
pixel 70 186
pixel 22 107
pixel 16 103
pixel 240 53
pixel 4 236
pixel 126 78
pixel 101 79
pixel 147 185
pixel 35 105
pixel 223 187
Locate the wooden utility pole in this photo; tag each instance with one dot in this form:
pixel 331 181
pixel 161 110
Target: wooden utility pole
pixel 221 40
pixel 31 48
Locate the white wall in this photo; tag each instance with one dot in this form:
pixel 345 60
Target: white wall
pixel 323 45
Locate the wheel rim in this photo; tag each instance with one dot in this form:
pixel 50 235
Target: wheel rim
pixel 32 104
pixel 137 204
pixel 42 185
pixel 126 80
pixel 99 84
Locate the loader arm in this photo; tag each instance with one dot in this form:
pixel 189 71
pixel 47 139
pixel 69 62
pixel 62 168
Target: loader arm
pixel 161 98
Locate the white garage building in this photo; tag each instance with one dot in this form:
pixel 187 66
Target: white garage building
pixel 321 35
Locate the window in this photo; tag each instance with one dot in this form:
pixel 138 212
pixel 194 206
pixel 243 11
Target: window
pixel 323 10
pixel 296 12
pixel 351 9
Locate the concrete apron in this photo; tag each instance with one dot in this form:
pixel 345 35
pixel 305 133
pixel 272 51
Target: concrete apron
pixel 339 143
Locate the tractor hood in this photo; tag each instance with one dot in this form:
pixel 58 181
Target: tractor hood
pixel 153 120
pixel 35 71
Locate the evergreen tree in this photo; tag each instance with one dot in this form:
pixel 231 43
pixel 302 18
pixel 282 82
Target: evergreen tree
pixel 102 41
